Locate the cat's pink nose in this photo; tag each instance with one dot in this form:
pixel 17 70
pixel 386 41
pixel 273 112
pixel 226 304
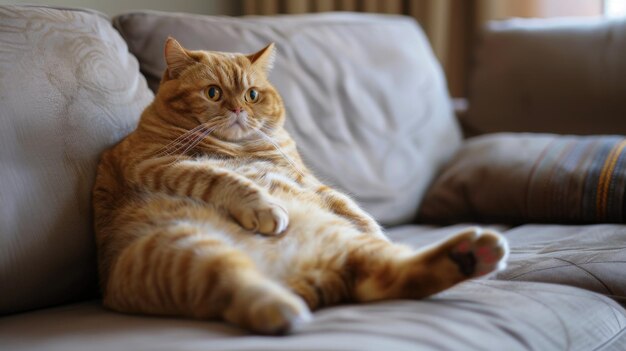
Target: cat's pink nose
pixel 236 110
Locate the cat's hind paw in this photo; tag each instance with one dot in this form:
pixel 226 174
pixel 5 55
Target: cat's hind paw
pixel 478 252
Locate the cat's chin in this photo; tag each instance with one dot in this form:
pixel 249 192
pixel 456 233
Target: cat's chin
pixel 235 133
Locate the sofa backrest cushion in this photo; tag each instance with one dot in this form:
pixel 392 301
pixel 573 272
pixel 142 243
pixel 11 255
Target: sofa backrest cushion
pixel 366 99
pixel 565 76
pixel 68 90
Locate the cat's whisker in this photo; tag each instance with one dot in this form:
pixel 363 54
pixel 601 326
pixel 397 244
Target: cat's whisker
pixel 282 153
pixel 198 139
pixel 183 144
pixel 182 139
pixel 198 127
pixel 193 142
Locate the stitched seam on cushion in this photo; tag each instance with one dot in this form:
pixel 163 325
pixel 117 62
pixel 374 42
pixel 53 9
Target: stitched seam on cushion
pixel 588 272
pixel 610 340
pixel 619 324
pixel 555 267
pixel 536 270
pixel 595 296
pixel 583 291
pixel 579 249
pixel 608 295
pixel 613 309
pixel 559 319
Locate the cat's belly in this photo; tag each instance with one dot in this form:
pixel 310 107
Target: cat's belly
pixel 313 231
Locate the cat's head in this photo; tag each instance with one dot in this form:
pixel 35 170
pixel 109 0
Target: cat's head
pixel 230 92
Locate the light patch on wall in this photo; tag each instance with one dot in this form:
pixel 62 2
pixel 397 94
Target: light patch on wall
pixel 615 8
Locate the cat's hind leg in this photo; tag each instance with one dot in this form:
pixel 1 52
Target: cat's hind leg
pixel 182 270
pixel 388 272
pixel 360 267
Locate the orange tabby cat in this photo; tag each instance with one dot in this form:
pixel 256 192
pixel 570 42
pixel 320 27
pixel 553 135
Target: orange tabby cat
pixel 206 210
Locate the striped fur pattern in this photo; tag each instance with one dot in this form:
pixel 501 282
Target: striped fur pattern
pixel 207 211
pixel 579 179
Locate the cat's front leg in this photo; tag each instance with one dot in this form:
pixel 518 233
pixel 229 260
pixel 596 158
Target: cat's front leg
pixel 343 206
pixel 250 205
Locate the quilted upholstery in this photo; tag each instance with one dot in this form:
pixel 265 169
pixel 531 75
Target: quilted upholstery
pixel 592 257
pixel 68 90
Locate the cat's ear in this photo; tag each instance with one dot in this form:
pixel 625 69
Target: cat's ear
pixel 264 58
pixel 176 57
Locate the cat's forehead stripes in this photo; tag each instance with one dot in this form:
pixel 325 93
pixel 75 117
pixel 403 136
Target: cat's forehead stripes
pixel 228 68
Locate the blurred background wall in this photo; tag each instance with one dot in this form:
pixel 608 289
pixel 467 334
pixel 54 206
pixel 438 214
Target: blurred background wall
pixel 452 26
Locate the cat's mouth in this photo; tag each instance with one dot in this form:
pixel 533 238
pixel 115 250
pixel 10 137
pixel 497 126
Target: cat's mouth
pixel 236 127
pixel 237 124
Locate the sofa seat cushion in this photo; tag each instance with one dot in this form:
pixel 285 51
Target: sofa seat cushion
pixel 68 90
pixel 591 257
pixel 365 98
pixel 478 315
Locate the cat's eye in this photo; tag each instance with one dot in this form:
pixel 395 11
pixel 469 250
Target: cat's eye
pixel 214 92
pixel 252 95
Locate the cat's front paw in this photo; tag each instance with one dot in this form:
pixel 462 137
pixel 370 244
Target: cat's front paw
pixel 262 216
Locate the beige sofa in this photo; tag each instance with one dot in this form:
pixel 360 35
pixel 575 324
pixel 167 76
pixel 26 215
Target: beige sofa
pixel 367 103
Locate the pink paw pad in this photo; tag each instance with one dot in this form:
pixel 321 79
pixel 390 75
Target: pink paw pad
pixel 463 247
pixel 483 253
pixel 486 255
